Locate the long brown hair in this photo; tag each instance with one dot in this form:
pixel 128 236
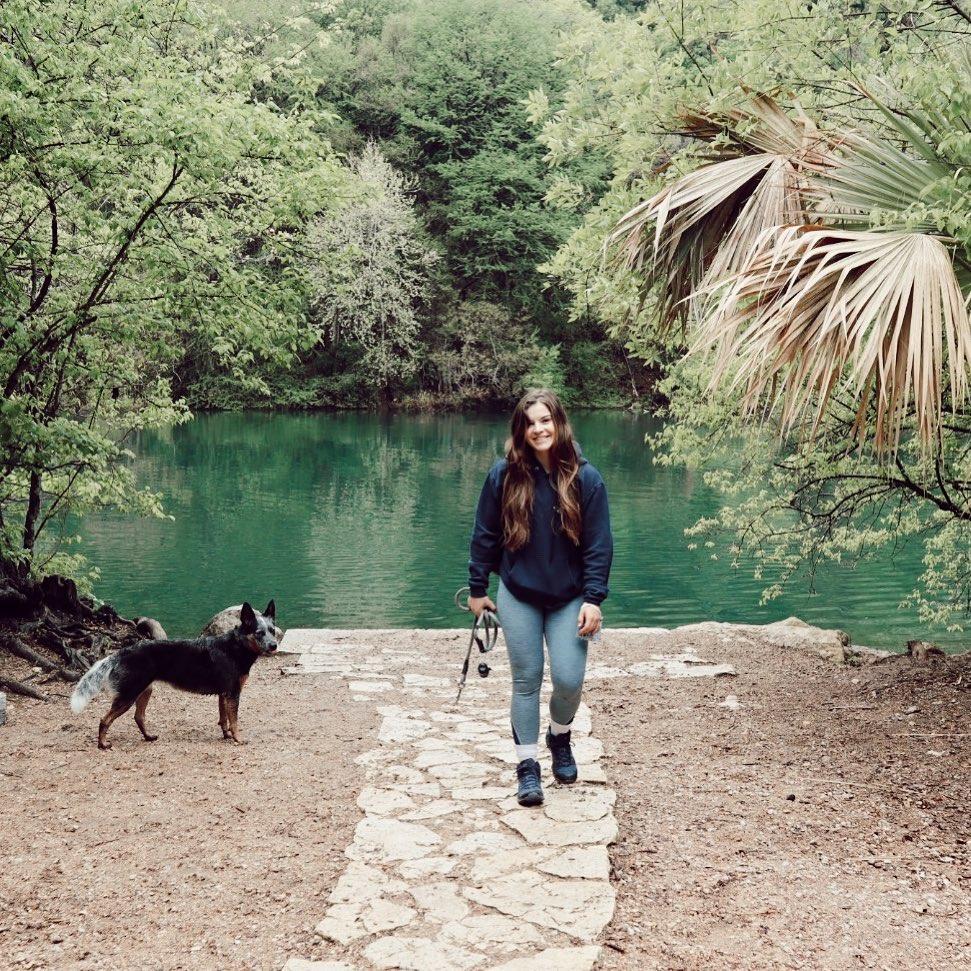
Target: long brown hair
pixel 517 490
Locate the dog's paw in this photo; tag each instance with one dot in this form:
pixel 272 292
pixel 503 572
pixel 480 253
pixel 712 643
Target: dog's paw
pixel 104 746
pixel 151 738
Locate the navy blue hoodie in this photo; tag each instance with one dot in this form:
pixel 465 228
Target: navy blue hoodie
pixel 549 570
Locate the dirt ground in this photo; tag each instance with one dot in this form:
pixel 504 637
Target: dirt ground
pixel 822 824
pixel 189 852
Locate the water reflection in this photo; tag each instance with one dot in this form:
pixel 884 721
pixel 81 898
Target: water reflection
pixel 363 521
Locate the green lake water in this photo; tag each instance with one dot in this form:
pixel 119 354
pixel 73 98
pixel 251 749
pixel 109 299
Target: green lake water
pixel 359 520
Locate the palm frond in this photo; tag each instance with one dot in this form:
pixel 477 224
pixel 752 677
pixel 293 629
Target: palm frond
pixel 709 221
pixel 880 315
pixel 876 177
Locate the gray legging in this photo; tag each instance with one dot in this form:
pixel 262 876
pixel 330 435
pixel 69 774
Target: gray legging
pixel 524 626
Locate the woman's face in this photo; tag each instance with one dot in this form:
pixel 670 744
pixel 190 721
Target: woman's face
pixel 540 430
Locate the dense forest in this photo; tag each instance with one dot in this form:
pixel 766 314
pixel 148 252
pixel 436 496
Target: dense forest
pixel 427 285
pixel 752 216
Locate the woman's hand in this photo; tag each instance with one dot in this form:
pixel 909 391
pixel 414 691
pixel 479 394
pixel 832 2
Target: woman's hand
pixel 589 620
pixel 478 604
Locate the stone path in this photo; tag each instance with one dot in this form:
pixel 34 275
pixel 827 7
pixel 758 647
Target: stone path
pixel 446 871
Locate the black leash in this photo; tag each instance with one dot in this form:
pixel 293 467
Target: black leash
pixel 485 635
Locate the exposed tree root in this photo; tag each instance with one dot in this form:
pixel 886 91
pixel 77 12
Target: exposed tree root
pixel 19 688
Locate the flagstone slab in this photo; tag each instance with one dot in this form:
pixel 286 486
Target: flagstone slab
pixel 462 735
pixel 433 743
pixel 594 772
pixel 479 842
pixel 384 802
pixel 539 830
pixel 426 866
pixel 680 668
pixel 488 867
pixel 433 810
pixel 587 749
pixel 501 749
pixel 474 726
pixel 392 839
pixel 441 756
pixel 425 681
pixel 599 672
pixel 418 788
pixel 420 954
pixel 441 901
pixel 360 882
pixel 345 923
pixel 580 908
pixel 581 724
pixel 578 863
pixel 462 774
pixel 577 804
pixel 477 793
pixel 396 774
pixel 398 729
pixel 492 930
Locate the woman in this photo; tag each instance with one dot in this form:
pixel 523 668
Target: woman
pixel 542 524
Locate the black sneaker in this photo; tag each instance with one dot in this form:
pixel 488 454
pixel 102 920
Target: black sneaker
pixel 564 765
pixel 530 788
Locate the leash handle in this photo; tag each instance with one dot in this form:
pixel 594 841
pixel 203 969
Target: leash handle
pixel 484 635
pixel 485 631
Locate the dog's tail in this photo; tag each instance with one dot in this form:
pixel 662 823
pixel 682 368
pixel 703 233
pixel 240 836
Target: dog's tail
pixel 92 682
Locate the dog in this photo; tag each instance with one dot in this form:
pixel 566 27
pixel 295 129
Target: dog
pixel 207 666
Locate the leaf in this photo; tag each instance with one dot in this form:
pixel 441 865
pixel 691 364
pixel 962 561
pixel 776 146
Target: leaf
pixel 709 222
pixel 878 314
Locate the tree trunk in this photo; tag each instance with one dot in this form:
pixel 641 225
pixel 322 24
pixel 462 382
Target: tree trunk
pixel 33 511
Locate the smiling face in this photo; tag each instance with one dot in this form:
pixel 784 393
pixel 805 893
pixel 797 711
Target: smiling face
pixel 540 428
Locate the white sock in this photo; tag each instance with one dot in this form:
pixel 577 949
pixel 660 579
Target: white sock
pixel 557 729
pixel 527 751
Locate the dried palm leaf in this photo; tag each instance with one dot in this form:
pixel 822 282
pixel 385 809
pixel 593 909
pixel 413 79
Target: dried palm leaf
pixel 876 177
pixel 708 223
pixel 878 314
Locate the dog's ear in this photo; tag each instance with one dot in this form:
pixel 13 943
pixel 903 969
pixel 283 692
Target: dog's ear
pixel 270 610
pixel 247 617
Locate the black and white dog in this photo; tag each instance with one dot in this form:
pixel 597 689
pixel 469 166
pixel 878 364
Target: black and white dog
pixel 207 666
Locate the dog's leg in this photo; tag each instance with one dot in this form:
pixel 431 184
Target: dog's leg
pixel 119 706
pixel 224 716
pixel 232 710
pixel 141 703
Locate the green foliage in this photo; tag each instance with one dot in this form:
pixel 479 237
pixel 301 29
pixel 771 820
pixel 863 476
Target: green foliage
pixel 144 217
pixel 466 128
pixel 788 512
pixel 819 498
pixel 449 92
pixel 372 293
pixel 481 355
pixel 630 77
